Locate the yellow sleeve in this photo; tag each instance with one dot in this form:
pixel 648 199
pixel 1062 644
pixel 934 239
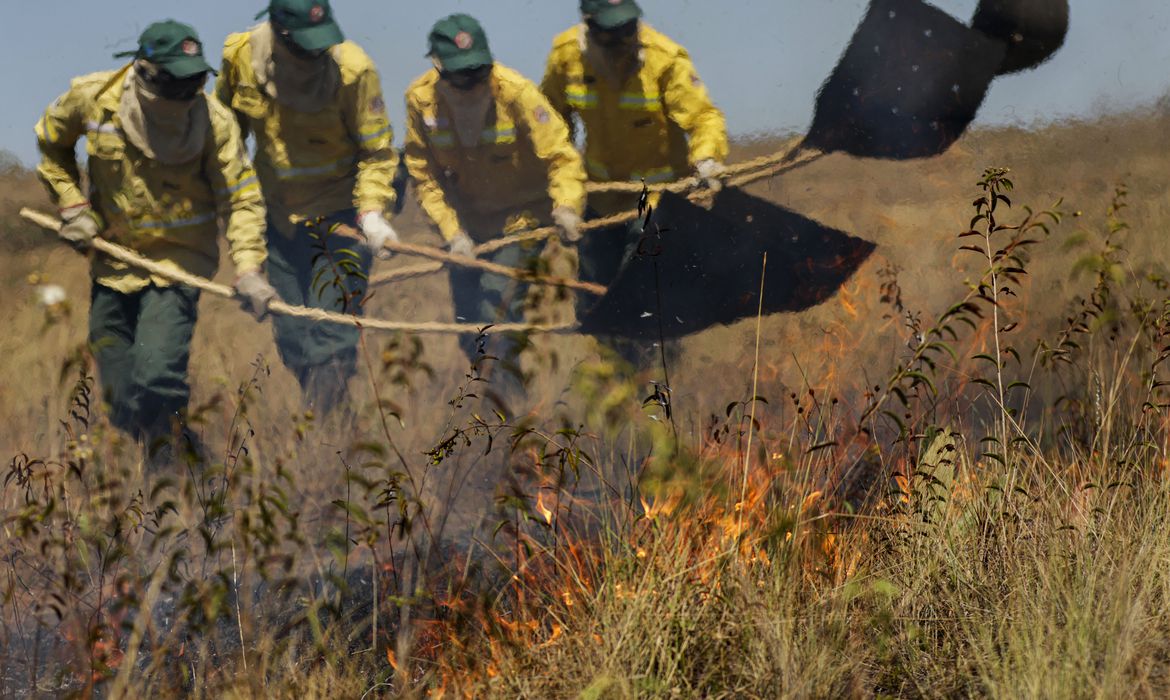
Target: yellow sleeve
pixel 553 87
pixel 377 158
pixel 225 81
pixel 689 106
pixel 237 190
pixel 550 141
pixel 58 132
pixel 422 170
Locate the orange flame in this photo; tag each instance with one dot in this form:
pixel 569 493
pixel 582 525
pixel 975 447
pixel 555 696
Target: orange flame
pixel 544 511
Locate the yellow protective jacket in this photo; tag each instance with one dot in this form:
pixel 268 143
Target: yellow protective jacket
pixel 656 127
pixel 168 213
pixel 522 167
pixel 315 164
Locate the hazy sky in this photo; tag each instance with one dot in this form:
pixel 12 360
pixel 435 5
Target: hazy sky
pixel 762 59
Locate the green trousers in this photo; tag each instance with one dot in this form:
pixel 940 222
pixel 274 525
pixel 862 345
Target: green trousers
pixel 602 255
pixel 142 343
pixel 481 297
pixel 320 270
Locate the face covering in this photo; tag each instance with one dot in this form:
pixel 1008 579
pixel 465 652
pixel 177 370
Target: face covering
pixel 166 129
pixel 467 79
pixel 613 53
pixel 300 80
pixel 469 103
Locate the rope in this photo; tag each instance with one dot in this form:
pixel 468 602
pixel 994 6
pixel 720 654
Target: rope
pixel 492 246
pixel 442 256
pixel 688 184
pixel 183 277
pixel 738 175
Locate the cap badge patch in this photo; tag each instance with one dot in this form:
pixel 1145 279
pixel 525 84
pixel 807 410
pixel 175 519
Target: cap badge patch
pixel 464 41
pixel 190 47
pixel 541 115
pixel 378 105
pixel 316 14
pixel 615 2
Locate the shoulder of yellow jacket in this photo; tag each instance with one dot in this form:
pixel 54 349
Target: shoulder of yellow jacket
pixel 568 40
pixel 353 61
pixel 422 88
pixel 93 83
pixel 511 82
pixel 102 88
pixel 656 42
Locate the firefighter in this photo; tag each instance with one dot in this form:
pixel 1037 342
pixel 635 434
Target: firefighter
pixel 164 163
pixel 489 156
pixel 313 102
pixel 646 115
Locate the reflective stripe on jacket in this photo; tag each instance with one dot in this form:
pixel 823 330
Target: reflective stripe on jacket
pixel 523 162
pixel 315 164
pixel 656 127
pixel 168 213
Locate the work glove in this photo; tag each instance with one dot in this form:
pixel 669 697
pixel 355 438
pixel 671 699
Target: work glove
pixel 569 223
pixel 710 173
pixel 461 245
pixel 255 293
pixel 378 233
pixel 80 227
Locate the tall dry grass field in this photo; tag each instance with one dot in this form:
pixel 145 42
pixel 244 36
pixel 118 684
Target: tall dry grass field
pixel 947 480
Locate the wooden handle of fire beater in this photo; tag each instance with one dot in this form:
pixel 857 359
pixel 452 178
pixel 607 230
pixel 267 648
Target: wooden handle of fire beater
pixel 443 256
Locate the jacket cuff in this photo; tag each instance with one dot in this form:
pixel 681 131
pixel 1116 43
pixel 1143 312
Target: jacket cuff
pixel 450 228
pixel 69 210
pixel 378 204
pixel 249 261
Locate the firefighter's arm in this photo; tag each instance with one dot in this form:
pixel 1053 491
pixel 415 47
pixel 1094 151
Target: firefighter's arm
pixel 689 105
pixel 550 140
pixel 225 81
pixel 423 171
pixel 58 132
pixel 237 191
pixel 553 87
pixel 377 158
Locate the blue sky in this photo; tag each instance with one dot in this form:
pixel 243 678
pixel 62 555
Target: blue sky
pixel 762 59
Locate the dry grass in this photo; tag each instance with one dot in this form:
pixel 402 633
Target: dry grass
pixel 1035 569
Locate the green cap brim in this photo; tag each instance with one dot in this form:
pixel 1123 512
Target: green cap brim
pixel 611 17
pixel 467 60
pixel 319 37
pixel 185 66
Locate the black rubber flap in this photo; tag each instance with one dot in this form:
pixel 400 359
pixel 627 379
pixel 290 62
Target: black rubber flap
pixel 1033 29
pixel 908 85
pixel 703 268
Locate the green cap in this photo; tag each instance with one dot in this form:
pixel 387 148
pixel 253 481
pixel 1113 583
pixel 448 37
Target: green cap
pixel 608 14
pixel 173 47
pixel 310 23
pixel 458 43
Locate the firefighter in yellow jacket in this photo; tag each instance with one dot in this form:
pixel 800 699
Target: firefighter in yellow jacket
pixel 164 163
pixel 646 115
pixel 313 102
pixel 488 156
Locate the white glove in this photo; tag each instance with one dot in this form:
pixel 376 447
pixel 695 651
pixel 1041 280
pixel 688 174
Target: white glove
pixel 461 245
pixel 80 228
pixel 255 293
pixel 710 173
pixel 569 223
pixel 378 233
